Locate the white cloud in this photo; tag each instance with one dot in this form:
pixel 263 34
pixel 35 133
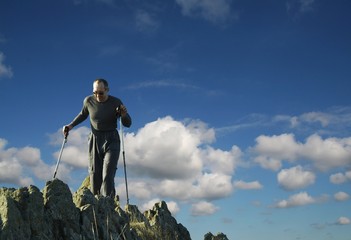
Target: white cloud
pixel 274 149
pixel 323 118
pixel 164 143
pixel 325 154
pixel 213 11
pixel 281 146
pixel 75 152
pixel 293 121
pixel 221 161
pixel 5 71
pixel 138 188
pixel 339 178
pixel 172 159
pixel 341 196
pixel 343 221
pixel 10 171
pixel 166 159
pixel 248 185
pixel 176 189
pixel 31 156
pixel 203 208
pixel 21 166
pixel 212 186
pixel 173 207
pixel 299 199
pixel 269 162
pixel 295 178
pixel 332 120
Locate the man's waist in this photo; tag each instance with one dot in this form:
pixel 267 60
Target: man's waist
pixel 102 131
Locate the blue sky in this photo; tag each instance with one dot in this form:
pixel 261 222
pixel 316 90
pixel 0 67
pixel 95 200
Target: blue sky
pixel 241 109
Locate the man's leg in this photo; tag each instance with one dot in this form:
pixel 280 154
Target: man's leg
pixel 108 173
pixel 95 166
pixel 95 182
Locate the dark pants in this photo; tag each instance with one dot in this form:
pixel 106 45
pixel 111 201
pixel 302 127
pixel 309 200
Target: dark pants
pixel 104 148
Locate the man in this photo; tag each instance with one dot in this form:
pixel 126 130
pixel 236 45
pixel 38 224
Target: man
pixel 104 141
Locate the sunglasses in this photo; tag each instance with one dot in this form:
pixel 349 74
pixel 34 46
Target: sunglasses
pixel 98 93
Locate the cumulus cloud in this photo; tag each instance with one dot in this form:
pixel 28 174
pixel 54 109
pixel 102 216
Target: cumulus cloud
pixel 20 166
pixel 166 159
pixel 276 149
pixel 203 208
pixel 339 178
pixel 220 161
pixel 255 185
pixel 164 143
pixel 75 152
pixel 5 71
pixel 341 196
pixel 343 221
pixel 212 186
pixel 213 11
pixel 325 154
pixel 295 178
pixel 178 156
pixel 299 199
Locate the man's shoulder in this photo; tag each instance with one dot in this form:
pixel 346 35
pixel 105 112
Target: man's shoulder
pixel 114 99
pixel 88 99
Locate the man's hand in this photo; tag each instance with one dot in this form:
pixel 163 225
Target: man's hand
pixel 66 129
pixel 121 110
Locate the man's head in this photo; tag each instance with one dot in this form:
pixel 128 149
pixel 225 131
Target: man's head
pixel 100 89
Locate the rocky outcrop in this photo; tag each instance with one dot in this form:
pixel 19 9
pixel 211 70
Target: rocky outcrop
pixel 219 236
pixel 56 214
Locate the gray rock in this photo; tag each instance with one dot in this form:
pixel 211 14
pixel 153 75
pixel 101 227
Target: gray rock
pixel 12 224
pixel 60 212
pixel 56 214
pixel 219 236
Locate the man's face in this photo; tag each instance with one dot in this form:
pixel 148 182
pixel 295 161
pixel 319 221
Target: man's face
pixel 100 92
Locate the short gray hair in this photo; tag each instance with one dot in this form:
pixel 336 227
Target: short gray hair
pixel 101 80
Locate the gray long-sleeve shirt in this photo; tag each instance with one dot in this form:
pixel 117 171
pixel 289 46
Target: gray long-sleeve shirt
pixel 103 116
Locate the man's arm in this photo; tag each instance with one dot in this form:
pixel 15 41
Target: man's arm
pixel 84 113
pixel 126 120
pixel 123 113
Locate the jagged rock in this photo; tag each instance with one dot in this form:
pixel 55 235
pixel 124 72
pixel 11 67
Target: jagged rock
pixel 138 222
pixel 56 214
pixel 165 225
pixel 60 211
pixel 22 214
pixel 219 236
pixel 12 224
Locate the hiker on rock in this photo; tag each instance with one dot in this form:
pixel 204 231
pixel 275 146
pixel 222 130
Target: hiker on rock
pixel 104 140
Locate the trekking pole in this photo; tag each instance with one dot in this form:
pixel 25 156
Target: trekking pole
pixel 59 158
pixel 124 158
